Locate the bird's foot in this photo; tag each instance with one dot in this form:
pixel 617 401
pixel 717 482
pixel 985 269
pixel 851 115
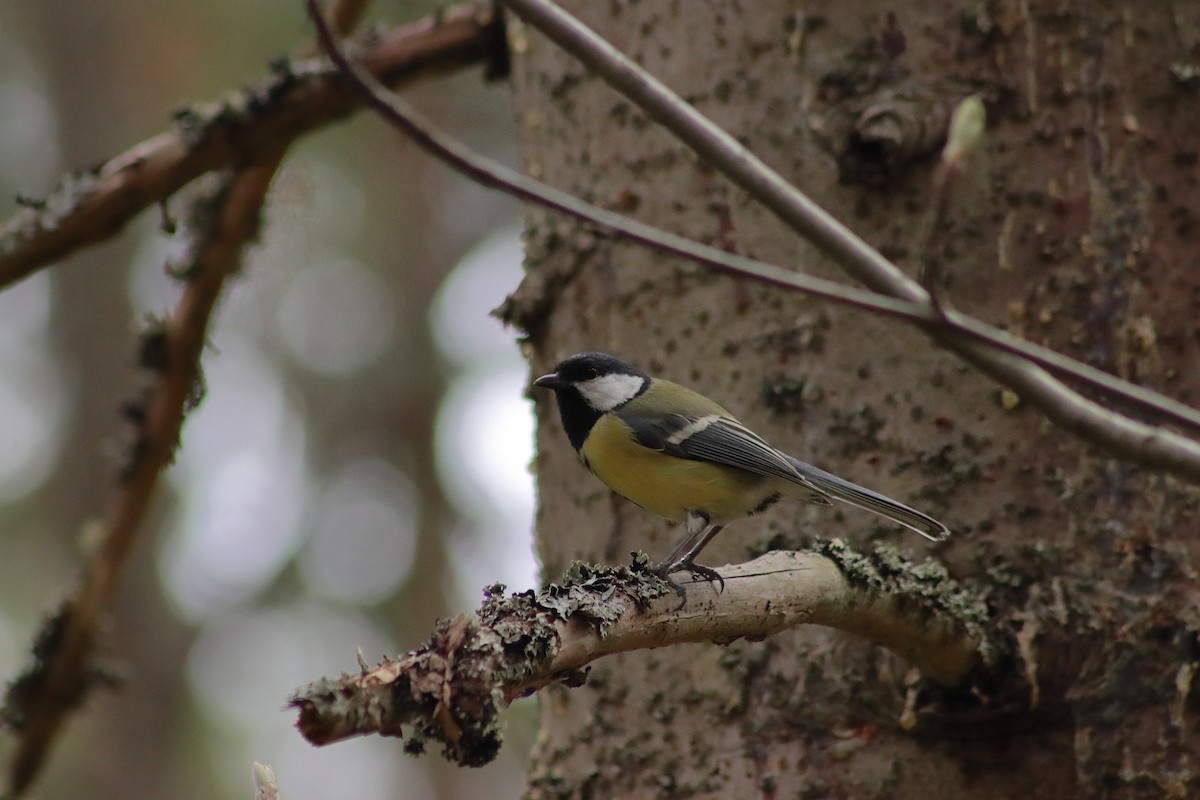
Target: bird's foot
pixel 664 570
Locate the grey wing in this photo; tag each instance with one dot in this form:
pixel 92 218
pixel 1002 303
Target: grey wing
pixel 716 438
pixel 874 502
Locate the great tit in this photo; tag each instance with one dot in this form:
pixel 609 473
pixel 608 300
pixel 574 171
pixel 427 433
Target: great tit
pixel 678 454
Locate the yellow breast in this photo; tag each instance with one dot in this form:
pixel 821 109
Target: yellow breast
pixel 666 485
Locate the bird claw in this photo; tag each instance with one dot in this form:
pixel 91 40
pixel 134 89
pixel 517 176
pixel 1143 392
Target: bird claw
pixel 663 572
pixel 707 573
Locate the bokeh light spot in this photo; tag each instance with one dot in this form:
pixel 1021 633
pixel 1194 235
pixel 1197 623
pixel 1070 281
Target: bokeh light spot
pixel 25 308
pixel 242 477
pixel 33 403
pixel 336 316
pixel 463 325
pixel 485 422
pixel 28 133
pixel 364 538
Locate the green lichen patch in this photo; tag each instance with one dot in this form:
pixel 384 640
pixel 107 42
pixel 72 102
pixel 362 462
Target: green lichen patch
pixel 923 586
pixel 600 595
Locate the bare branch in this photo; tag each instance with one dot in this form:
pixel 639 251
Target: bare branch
pixel 259 122
pixel 223 219
pixel 38 702
pixel 1125 437
pixel 451 690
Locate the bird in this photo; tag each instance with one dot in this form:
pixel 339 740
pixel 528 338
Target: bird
pixel 680 455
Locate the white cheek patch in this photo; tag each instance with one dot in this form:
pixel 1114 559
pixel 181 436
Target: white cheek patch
pixel 609 391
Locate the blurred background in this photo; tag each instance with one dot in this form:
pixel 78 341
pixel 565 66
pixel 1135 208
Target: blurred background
pixel 359 466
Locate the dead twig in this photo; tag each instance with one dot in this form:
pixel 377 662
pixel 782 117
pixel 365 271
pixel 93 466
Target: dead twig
pixel 223 219
pixel 59 680
pixel 298 96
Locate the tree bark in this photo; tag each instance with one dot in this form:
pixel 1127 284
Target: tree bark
pixel 1073 225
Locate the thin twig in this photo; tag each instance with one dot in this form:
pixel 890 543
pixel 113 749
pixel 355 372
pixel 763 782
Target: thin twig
pixel 295 98
pixel 974 341
pixel 1138 443
pixel 60 680
pixel 224 219
pixel 452 690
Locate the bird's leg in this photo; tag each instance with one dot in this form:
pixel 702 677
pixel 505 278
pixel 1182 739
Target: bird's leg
pixel 683 556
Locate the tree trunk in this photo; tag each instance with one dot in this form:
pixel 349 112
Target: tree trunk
pixel 1073 225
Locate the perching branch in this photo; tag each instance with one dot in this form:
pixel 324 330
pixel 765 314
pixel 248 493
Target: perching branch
pixel 1132 440
pixel 452 690
pixel 260 121
pixel 974 341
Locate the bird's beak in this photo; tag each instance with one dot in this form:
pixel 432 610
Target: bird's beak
pixel 551 381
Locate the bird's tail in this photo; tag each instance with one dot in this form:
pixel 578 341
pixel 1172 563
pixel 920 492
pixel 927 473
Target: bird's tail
pixel 864 498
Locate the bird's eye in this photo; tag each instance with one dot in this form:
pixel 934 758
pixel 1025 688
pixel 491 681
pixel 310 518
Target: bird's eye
pixel 593 373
